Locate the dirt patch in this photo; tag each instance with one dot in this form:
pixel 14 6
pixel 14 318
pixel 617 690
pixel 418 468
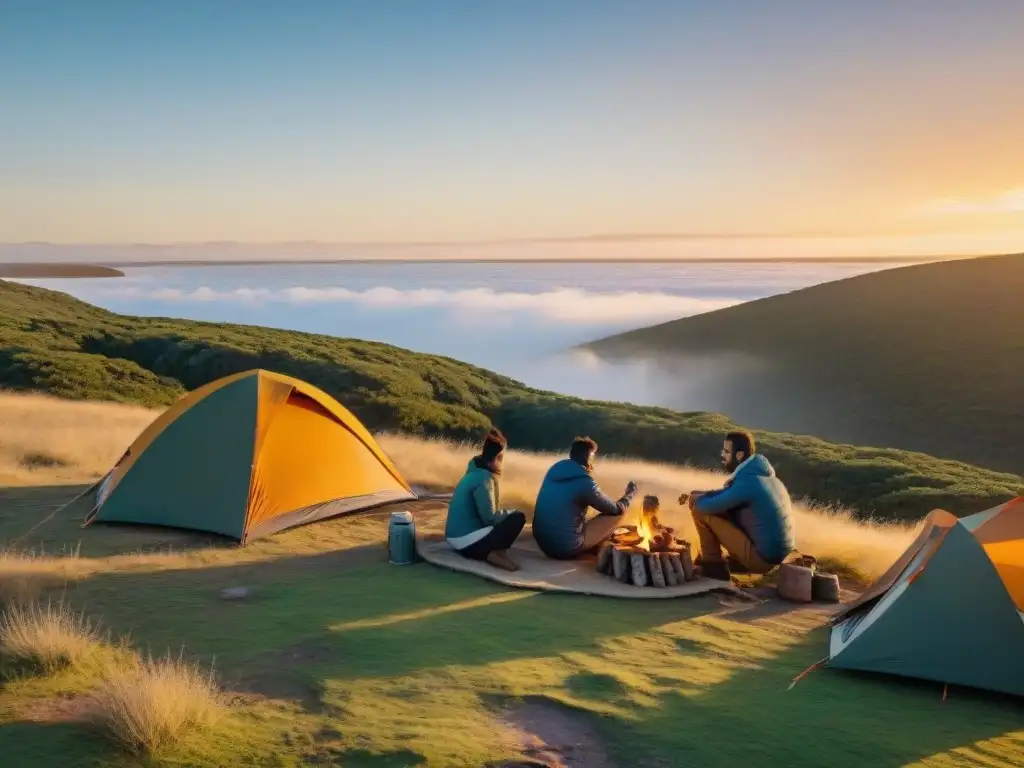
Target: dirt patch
pixel 769 606
pixel 551 736
pixel 281 676
pixel 283 686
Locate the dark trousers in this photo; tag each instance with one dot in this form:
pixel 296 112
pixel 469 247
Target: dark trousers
pixel 499 537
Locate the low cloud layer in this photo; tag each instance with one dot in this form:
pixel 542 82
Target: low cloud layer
pixel 515 320
pixel 566 305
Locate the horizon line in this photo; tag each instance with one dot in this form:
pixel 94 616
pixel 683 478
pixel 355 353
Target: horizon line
pixel 592 238
pixel 131 263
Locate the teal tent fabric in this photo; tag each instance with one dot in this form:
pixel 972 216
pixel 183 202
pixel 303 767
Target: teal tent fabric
pixel 954 623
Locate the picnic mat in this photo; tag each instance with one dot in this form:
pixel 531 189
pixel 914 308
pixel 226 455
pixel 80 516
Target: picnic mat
pixel 536 571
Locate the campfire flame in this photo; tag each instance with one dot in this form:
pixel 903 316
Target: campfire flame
pixel 649 534
pixel 645 528
pixel 653 535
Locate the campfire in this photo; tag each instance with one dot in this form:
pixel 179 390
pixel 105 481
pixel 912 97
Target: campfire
pixel 647 554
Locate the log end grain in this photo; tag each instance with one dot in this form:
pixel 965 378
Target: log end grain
pixel 668 570
pixel 795 583
pixel 825 587
pixel 676 566
pixel 621 565
pixel 639 572
pixel 654 566
pixel 686 563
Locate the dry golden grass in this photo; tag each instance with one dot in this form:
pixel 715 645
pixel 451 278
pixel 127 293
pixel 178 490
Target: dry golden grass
pixel 47 440
pixel 84 439
pixel 152 703
pixel 52 637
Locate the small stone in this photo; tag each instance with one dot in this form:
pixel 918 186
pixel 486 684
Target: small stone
pixel 235 593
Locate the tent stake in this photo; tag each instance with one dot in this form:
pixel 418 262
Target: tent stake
pixel 945 690
pixel 807 671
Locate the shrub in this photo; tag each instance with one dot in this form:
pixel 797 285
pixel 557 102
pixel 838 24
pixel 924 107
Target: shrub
pixel 154 702
pixel 50 637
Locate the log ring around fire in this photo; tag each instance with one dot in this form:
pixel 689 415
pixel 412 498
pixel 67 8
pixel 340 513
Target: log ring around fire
pixel 665 561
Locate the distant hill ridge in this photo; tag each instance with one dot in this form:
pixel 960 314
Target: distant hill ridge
pixel 925 357
pixel 53 343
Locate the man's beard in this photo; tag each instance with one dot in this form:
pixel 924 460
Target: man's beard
pixel 730 465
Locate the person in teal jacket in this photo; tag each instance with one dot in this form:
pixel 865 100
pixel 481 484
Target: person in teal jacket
pixel 476 526
pixel 560 525
pixel 751 515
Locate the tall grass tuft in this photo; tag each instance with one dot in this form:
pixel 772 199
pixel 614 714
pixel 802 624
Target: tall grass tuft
pixel 153 703
pixel 51 637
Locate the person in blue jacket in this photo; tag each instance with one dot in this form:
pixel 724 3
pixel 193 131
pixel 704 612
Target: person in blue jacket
pixel 476 526
pixel 560 525
pixel 751 516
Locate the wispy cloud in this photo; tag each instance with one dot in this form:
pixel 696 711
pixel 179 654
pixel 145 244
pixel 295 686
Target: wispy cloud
pixel 1010 201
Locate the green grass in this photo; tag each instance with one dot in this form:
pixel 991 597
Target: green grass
pixel 338 658
pixel 927 357
pixel 53 343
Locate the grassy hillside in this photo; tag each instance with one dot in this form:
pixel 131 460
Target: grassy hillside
pixel 56 344
pixel 927 357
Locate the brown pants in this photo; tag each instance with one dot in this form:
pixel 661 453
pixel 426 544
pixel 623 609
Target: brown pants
pixel 716 531
pixel 599 529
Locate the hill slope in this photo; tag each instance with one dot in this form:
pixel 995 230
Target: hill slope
pixel 927 357
pixel 53 343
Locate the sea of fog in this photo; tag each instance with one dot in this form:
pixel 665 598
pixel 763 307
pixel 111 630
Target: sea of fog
pixel 517 319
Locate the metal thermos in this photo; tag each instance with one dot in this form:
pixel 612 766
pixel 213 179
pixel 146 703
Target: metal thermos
pixel 401 538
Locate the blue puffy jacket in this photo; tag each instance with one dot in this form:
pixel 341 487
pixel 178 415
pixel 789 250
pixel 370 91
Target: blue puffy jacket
pixel 566 493
pixel 760 505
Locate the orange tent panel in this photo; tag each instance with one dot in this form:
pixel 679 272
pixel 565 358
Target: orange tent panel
pixel 306 457
pixel 1002 536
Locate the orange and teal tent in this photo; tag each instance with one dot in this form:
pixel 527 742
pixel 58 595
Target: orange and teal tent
pixel 951 609
pixel 247 456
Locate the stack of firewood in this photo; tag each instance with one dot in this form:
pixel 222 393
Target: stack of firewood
pixel 625 561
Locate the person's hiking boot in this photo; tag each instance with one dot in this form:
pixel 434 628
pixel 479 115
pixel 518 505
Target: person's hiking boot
pixel 502 560
pixel 715 569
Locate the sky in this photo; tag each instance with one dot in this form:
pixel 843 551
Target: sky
pixel 410 121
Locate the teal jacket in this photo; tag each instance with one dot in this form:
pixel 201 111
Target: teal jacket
pixel 473 510
pixel 567 492
pixel 759 504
